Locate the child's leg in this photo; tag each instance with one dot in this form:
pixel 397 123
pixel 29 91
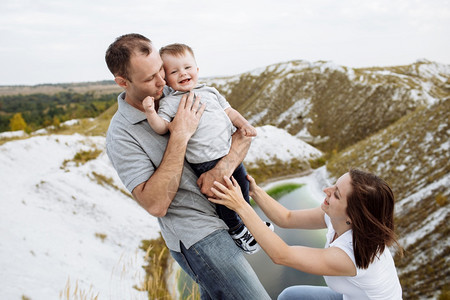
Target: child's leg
pixel 240 174
pixel 240 234
pixel 230 217
pixel 201 168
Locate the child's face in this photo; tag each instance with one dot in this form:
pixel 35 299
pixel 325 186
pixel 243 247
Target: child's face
pixel 181 71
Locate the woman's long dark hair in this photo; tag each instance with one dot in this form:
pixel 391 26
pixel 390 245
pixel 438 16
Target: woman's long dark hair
pixel 370 207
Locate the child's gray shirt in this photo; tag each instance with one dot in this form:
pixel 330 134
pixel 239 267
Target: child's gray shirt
pixel 212 140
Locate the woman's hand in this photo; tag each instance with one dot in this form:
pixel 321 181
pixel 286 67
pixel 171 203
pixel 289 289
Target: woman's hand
pixel 252 186
pixel 229 194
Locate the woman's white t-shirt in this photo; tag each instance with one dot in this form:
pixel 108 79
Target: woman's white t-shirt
pixel 378 281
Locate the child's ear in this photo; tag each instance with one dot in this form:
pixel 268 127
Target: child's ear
pixel 122 82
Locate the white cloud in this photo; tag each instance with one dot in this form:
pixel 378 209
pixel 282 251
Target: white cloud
pixel 63 41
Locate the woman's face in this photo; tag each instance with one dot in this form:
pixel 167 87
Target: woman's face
pixel 335 202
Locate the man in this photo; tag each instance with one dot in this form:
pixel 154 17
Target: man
pixel 153 168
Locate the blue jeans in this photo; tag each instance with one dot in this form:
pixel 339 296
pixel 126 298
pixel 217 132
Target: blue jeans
pixel 230 217
pixel 308 292
pixel 220 269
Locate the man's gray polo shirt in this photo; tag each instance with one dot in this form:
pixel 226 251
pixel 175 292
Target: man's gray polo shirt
pixel 136 151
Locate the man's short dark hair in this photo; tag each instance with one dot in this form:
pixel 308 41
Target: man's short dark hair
pixel 118 54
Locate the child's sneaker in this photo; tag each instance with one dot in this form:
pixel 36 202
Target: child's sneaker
pixel 245 240
pixel 268 224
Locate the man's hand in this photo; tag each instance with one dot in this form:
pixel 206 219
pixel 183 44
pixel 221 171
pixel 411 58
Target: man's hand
pixel 206 181
pixel 188 115
pixel 227 164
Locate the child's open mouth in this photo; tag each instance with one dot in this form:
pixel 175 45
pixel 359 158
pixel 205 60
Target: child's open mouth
pixel 185 81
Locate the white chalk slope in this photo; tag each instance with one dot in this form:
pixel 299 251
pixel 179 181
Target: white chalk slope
pixel 53 221
pixel 60 228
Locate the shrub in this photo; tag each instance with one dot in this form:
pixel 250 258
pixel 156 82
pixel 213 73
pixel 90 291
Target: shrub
pixel 441 200
pixel 83 157
pixel 101 236
pixel 17 122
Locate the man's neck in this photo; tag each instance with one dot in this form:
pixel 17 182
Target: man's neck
pixel 135 104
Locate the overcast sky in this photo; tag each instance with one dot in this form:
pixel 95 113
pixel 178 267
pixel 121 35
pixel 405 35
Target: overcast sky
pixel 54 41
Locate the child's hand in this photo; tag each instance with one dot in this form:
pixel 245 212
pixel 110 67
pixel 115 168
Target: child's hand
pixel 248 130
pixel 149 104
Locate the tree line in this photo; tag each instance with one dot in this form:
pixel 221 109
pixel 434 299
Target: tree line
pixel 34 111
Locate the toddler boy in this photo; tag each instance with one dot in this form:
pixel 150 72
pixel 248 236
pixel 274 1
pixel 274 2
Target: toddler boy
pixel 212 140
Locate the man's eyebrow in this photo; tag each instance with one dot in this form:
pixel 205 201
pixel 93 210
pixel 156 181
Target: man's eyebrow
pixel 153 75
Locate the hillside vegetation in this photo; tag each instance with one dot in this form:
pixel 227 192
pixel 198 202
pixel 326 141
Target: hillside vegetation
pixel 332 106
pixel 42 110
pixel 98 87
pixel 51 104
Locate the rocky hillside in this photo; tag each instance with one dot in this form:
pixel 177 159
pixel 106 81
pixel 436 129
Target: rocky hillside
pixel 413 156
pixel 333 106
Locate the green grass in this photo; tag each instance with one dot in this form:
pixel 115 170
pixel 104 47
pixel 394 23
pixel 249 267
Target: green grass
pixel 280 190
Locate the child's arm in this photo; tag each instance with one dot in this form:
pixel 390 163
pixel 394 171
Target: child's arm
pixel 240 122
pixel 158 124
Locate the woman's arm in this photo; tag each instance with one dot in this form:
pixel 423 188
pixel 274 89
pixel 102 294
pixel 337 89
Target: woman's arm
pixel 283 217
pixel 331 261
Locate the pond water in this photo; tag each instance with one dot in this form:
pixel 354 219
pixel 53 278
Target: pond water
pixel 274 277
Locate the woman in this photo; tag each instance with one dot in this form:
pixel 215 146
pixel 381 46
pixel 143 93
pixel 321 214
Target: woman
pixel 359 214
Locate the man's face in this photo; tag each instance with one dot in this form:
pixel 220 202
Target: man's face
pixel 146 78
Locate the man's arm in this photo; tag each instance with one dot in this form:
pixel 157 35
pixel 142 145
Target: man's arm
pixel 156 194
pixel 226 166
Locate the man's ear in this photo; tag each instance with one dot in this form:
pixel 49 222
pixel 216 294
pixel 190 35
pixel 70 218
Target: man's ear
pixel 122 82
